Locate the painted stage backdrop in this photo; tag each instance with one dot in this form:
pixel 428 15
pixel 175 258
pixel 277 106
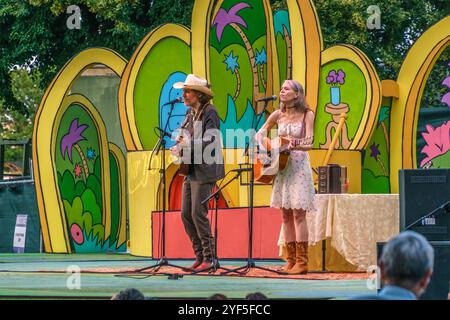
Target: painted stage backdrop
pixel 100 110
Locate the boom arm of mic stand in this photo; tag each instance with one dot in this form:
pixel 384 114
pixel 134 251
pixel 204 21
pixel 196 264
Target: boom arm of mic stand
pixel 161 138
pixel 165 127
pixel 444 207
pixel 157 148
pixel 218 190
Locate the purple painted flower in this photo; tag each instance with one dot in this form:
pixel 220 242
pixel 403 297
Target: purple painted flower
pixel 446 99
pixel 224 18
pixel 336 77
pixel 374 151
pixel 340 77
pixel 446 82
pixel 71 138
pixel 331 78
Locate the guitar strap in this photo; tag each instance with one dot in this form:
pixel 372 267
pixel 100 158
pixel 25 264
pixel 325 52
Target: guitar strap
pixel 200 113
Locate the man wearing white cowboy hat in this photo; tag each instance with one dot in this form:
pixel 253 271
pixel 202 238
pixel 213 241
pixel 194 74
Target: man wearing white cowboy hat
pixel 202 124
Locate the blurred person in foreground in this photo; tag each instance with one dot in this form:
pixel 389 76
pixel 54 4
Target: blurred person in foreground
pixel 406 267
pixel 129 294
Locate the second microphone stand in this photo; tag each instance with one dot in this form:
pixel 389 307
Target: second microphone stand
pixel 215 265
pixel 250 261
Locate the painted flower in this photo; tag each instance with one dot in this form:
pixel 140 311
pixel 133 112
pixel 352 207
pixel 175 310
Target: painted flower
pixel 77 170
pixel 374 153
pixel 446 97
pixel 90 153
pixel 340 77
pixel 336 77
pixel 77 233
pixel 331 78
pixel 437 142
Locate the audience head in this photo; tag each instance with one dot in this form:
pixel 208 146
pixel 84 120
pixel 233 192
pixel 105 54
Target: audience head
pixel 407 262
pixel 256 296
pixel 128 294
pixel 218 296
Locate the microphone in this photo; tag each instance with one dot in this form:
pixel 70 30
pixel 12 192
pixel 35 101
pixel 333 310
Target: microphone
pixel 179 99
pixel 163 132
pixel 271 98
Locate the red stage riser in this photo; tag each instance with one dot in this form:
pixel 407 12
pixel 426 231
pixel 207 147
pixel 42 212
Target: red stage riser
pixel 232 234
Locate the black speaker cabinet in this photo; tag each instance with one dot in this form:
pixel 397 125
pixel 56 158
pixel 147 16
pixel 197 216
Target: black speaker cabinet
pixel 439 286
pixel 421 192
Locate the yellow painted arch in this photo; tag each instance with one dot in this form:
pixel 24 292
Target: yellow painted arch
pixel 200 27
pixel 273 71
pixel 121 163
pixel 128 81
pixel 51 212
pixel 307 45
pixel 405 110
pixel 373 90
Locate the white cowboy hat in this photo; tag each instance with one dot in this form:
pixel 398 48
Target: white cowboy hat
pixel 196 83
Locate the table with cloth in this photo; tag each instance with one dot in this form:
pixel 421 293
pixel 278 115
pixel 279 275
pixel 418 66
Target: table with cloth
pixel 351 224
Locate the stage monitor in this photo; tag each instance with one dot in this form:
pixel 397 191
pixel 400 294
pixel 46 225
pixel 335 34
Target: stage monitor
pixel 421 192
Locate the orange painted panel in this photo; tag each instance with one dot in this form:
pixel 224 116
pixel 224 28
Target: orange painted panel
pixel 232 234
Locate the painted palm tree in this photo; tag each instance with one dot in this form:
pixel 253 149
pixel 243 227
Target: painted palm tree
pixel 287 38
pixel 230 18
pixel 70 140
pixel 375 153
pixel 283 28
pixel 384 114
pixel 233 65
pixel 261 60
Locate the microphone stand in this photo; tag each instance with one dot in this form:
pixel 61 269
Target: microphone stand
pixel 250 261
pixel 161 145
pixel 445 207
pixel 215 264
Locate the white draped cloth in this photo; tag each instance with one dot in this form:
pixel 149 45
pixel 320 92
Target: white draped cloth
pixel 354 223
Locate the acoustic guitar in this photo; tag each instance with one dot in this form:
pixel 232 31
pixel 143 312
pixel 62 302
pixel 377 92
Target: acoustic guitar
pixel 177 152
pixel 275 157
pixel 270 161
pixel 178 149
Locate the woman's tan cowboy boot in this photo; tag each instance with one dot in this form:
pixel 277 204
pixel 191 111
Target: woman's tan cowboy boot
pixel 290 257
pixel 301 265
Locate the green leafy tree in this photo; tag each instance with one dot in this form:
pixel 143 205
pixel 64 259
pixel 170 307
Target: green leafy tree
pixel 17 121
pixel 38 28
pixel 401 23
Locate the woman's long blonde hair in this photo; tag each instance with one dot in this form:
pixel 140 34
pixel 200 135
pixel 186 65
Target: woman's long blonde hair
pixel 300 102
